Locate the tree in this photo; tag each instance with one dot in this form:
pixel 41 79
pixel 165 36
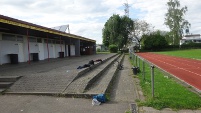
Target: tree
pixel 175 20
pixel 155 41
pixel 140 28
pixel 116 31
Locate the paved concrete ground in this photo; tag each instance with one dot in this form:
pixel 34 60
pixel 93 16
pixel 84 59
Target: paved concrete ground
pixel 46 77
pixel 125 91
pixel 49 104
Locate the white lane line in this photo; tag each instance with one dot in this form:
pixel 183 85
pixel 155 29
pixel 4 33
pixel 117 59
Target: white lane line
pixel 183 59
pixel 176 66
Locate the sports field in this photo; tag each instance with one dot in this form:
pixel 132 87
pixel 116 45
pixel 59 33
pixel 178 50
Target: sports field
pixel 191 53
pixel 168 93
pixel 187 70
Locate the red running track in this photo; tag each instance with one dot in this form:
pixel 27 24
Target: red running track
pixel 188 70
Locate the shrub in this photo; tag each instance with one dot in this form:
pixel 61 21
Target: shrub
pixel 155 42
pixel 98 50
pixel 113 48
pixel 191 45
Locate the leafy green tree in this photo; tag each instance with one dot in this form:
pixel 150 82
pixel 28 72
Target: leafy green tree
pixel 155 41
pixel 116 31
pixel 175 20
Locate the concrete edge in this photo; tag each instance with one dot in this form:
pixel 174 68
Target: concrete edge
pixel 67 95
pixel 107 90
pixel 99 74
pixel 80 73
pixel 34 93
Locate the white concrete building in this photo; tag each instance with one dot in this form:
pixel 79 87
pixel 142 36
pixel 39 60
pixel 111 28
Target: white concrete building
pixel 24 42
pixel 191 38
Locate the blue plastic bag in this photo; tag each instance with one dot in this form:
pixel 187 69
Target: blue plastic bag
pixel 100 97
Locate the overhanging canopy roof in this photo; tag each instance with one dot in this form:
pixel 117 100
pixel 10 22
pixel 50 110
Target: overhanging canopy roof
pixel 12 25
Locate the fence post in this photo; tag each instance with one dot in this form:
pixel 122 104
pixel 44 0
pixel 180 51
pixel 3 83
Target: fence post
pixel 152 80
pixel 133 59
pixel 139 62
pixel 136 61
pixel 143 66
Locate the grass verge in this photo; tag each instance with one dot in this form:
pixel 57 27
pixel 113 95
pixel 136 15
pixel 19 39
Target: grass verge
pixel 168 93
pixel 191 53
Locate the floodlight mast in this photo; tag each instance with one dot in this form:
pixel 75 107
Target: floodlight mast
pixel 68 28
pixel 126 8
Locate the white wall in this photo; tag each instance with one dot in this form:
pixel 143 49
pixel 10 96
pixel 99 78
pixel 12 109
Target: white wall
pixel 21 48
pixel 33 46
pixel 51 50
pixel 59 48
pixel 41 51
pixel 21 53
pixel 8 47
pixel 45 50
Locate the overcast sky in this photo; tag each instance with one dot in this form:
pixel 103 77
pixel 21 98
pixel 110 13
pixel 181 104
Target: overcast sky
pixel 87 17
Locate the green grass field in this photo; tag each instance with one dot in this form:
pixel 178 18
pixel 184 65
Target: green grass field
pixel 168 93
pixel 191 53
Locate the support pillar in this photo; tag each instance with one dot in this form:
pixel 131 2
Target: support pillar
pixel 48 48
pixel 77 47
pixel 28 45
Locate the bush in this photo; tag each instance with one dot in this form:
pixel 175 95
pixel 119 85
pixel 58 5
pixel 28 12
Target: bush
pixel 191 45
pixel 113 48
pixel 184 46
pixel 155 42
pixel 98 50
pixel 125 50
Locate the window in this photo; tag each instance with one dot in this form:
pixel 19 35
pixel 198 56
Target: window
pixel 59 42
pixel 20 38
pixel 32 39
pixel 8 37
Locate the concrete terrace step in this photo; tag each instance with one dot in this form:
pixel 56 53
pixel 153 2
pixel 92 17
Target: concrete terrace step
pixel 79 85
pixel 96 64
pixel 103 83
pixel 9 78
pixel 55 79
pixel 5 84
pixel 2 90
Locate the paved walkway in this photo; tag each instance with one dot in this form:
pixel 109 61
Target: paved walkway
pixel 123 89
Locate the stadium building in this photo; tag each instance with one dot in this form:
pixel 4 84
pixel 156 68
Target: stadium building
pixel 22 41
